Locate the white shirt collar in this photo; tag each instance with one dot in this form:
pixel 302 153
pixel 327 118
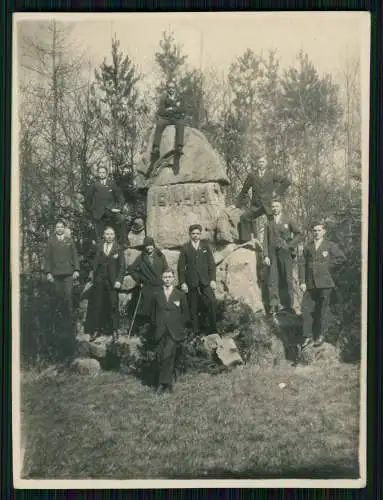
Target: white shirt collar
pixel 317 243
pixel 60 236
pixel 195 244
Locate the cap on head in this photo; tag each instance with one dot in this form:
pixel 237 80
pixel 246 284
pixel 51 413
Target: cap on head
pixel 318 222
pixel 148 241
pixel 193 227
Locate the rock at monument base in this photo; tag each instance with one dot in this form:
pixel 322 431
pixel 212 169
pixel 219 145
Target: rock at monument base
pixel 99 347
pixel 224 347
pixel 172 209
pixel 199 163
pixel 237 277
pixel 323 355
pixel 172 257
pixel 227 225
pixel 210 343
pixel 227 352
pixel 86 366
pixel 82 345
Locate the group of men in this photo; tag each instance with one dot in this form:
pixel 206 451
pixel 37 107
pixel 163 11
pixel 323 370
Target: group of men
pixel 168 308
pixel 282 235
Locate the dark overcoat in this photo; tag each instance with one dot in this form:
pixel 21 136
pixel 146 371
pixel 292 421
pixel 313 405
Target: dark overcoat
pixel 196 267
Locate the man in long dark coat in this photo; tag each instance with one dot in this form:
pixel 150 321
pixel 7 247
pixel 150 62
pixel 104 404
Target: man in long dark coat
pixel 147 270
pixel 105 202
pixel 107 276
pixel 169 315
pixel 320 258
pixel 62 266
pixel 264 186
pixel 281 238
pixel 197 277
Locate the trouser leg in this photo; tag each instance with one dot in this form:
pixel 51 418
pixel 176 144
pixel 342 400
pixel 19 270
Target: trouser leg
pixel 120 223
pixel 308 313
pixel 99 228
pixel 323 313
pixel 285 264
pixel 161 124
pixel 167 350
pixel 114 311
pixel 180 130
pixel 209 302
pixel 193 299
pixel 246 225
pixel 273 281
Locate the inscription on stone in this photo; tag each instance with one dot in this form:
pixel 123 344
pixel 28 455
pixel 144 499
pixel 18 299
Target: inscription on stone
pixel 179 195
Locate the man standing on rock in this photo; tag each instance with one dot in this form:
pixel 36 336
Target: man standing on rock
pixel 147 271
pixel 107 276
pixel 320 258
pixel 62 266
pixel 105 202
pixel 169 315
pixel 171 111
pixel 281 238
pixel 197 275
pixel 264 185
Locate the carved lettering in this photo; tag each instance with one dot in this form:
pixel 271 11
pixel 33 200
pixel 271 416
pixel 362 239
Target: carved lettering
pixel 181 195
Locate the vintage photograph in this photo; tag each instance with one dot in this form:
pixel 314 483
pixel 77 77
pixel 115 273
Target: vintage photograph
pixel 189 249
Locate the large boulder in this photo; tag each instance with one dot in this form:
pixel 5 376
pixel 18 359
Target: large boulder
pixel 199 163
pixel 227 225
pixel 173 208
pixel 237 277
pixel 172 257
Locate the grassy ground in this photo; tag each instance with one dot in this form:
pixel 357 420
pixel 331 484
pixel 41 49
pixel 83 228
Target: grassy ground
pixel 233 425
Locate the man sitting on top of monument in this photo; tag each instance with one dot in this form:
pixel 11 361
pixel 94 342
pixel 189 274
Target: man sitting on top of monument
pixel 171 111
pixel 264 186
pixel 197 275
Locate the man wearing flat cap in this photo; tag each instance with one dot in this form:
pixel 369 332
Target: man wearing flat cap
pixel 281 238
pixel 196 275
pixel 147 270
pixel 320 258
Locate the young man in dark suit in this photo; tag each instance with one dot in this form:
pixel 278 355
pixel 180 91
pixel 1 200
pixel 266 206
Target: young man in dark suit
pixel 107 276
pixel 171 111
pixel 105 202
pixel 147 270
pixel 62 267
pixel 169 315
pixel 281 238
pixel 264 185
pixel 320 258
pixel 197 275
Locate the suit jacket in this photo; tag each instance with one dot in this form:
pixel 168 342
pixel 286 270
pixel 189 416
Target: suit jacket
pixel 317 266
pixel 149 273
pixel 61 257
pixel 263 188
pixel 101 199
pixel 170 315
pixel 196 267
pixel 285 234
pixel 111 266
pixel 166 102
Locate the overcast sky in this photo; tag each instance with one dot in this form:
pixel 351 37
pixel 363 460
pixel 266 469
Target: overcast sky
pixel 326 36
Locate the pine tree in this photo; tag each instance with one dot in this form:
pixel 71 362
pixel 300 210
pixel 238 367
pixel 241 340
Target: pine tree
pixel 119 111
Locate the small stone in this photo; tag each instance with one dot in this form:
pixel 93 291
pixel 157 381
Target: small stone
pixel 228 353
pixel 82 345
pixel 86 366
pixel 98 348
pixel 282 385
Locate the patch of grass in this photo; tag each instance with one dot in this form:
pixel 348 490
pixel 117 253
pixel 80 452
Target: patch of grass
pixel 233 425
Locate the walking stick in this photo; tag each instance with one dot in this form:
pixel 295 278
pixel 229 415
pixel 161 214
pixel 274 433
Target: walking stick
pixel 135 313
